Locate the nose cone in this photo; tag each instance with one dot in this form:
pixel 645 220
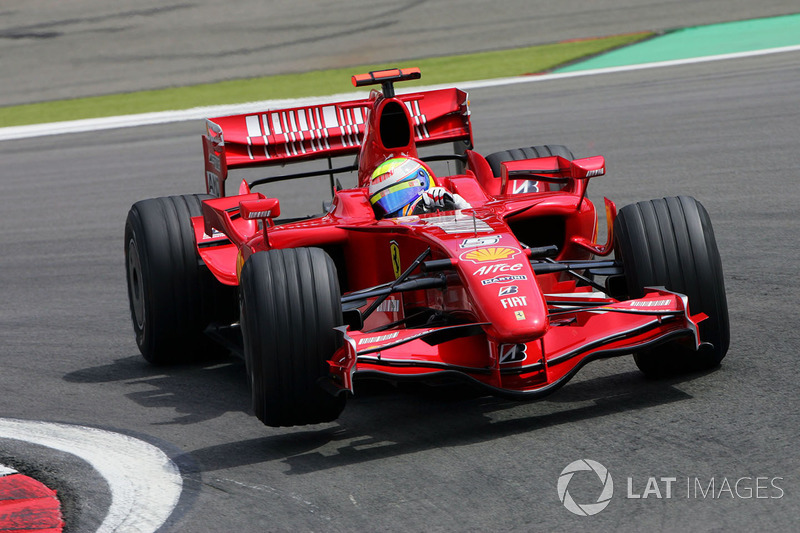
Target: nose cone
pixel 518 318
pixel 504 292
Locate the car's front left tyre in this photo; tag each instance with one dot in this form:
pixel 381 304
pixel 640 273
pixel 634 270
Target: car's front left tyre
pixel 670 242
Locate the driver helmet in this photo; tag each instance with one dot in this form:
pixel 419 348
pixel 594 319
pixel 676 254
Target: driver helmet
pixel 397 184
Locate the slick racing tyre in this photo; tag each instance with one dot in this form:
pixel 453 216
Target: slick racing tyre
pixel 173 297
pixel 496 159
pixel 669 242
pixel 289 304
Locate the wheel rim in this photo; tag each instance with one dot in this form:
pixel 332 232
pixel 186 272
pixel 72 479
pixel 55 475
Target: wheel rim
pixel 136 284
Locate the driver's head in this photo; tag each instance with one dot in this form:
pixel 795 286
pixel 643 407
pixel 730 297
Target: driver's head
pixel 396 186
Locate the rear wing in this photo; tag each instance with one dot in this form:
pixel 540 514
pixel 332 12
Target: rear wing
pixel 277 137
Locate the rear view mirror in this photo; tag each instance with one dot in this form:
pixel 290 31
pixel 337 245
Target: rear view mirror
pixel 588 167
pixel 261 208
pixel 554 169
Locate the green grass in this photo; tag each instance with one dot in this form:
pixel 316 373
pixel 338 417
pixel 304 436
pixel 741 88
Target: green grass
pixel 451 69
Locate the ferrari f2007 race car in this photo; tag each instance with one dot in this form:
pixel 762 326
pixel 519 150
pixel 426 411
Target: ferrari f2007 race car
pixel 510 291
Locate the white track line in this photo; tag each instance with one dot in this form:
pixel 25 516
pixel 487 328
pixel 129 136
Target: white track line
pixel 145 484
pixel 198 113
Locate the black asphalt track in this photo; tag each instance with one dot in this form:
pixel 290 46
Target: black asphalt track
pixel 407 459
pixel 724 132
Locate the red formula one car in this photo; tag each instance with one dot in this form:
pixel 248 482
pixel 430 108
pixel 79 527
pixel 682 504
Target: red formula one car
pixel 512 293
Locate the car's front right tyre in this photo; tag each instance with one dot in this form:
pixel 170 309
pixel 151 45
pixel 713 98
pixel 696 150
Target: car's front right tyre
pixel 173 297
pixel 290 303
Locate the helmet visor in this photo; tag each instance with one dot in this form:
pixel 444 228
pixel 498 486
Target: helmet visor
pixel 396 184
pixel 395 197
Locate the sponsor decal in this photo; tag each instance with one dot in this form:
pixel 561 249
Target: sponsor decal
pixel 390 305
pixel 649 303
pixel 493 269
pixel 479 241
pixel 394 251
pixel 521 187
pixel 378 338
pixel 420 119
pixel 459 223
pixel 514 301
pixel 512 353
pixel 212 182
pixel 503 279
pixel 215 234
pixel 298 131
pixel 519 315
pixel 215 161
pixel 492 253
pixel 505 291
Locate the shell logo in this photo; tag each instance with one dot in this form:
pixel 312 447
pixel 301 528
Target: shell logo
pixel 492 253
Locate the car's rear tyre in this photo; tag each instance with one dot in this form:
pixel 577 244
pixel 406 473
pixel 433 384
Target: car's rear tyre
pixel 290 302
pixel 173 297
pixel 670 242
pixel 496 159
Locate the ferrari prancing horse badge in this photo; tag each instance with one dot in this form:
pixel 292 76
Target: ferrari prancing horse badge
pixel 394 250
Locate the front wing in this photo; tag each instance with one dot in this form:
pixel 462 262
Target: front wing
pixel 581 330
